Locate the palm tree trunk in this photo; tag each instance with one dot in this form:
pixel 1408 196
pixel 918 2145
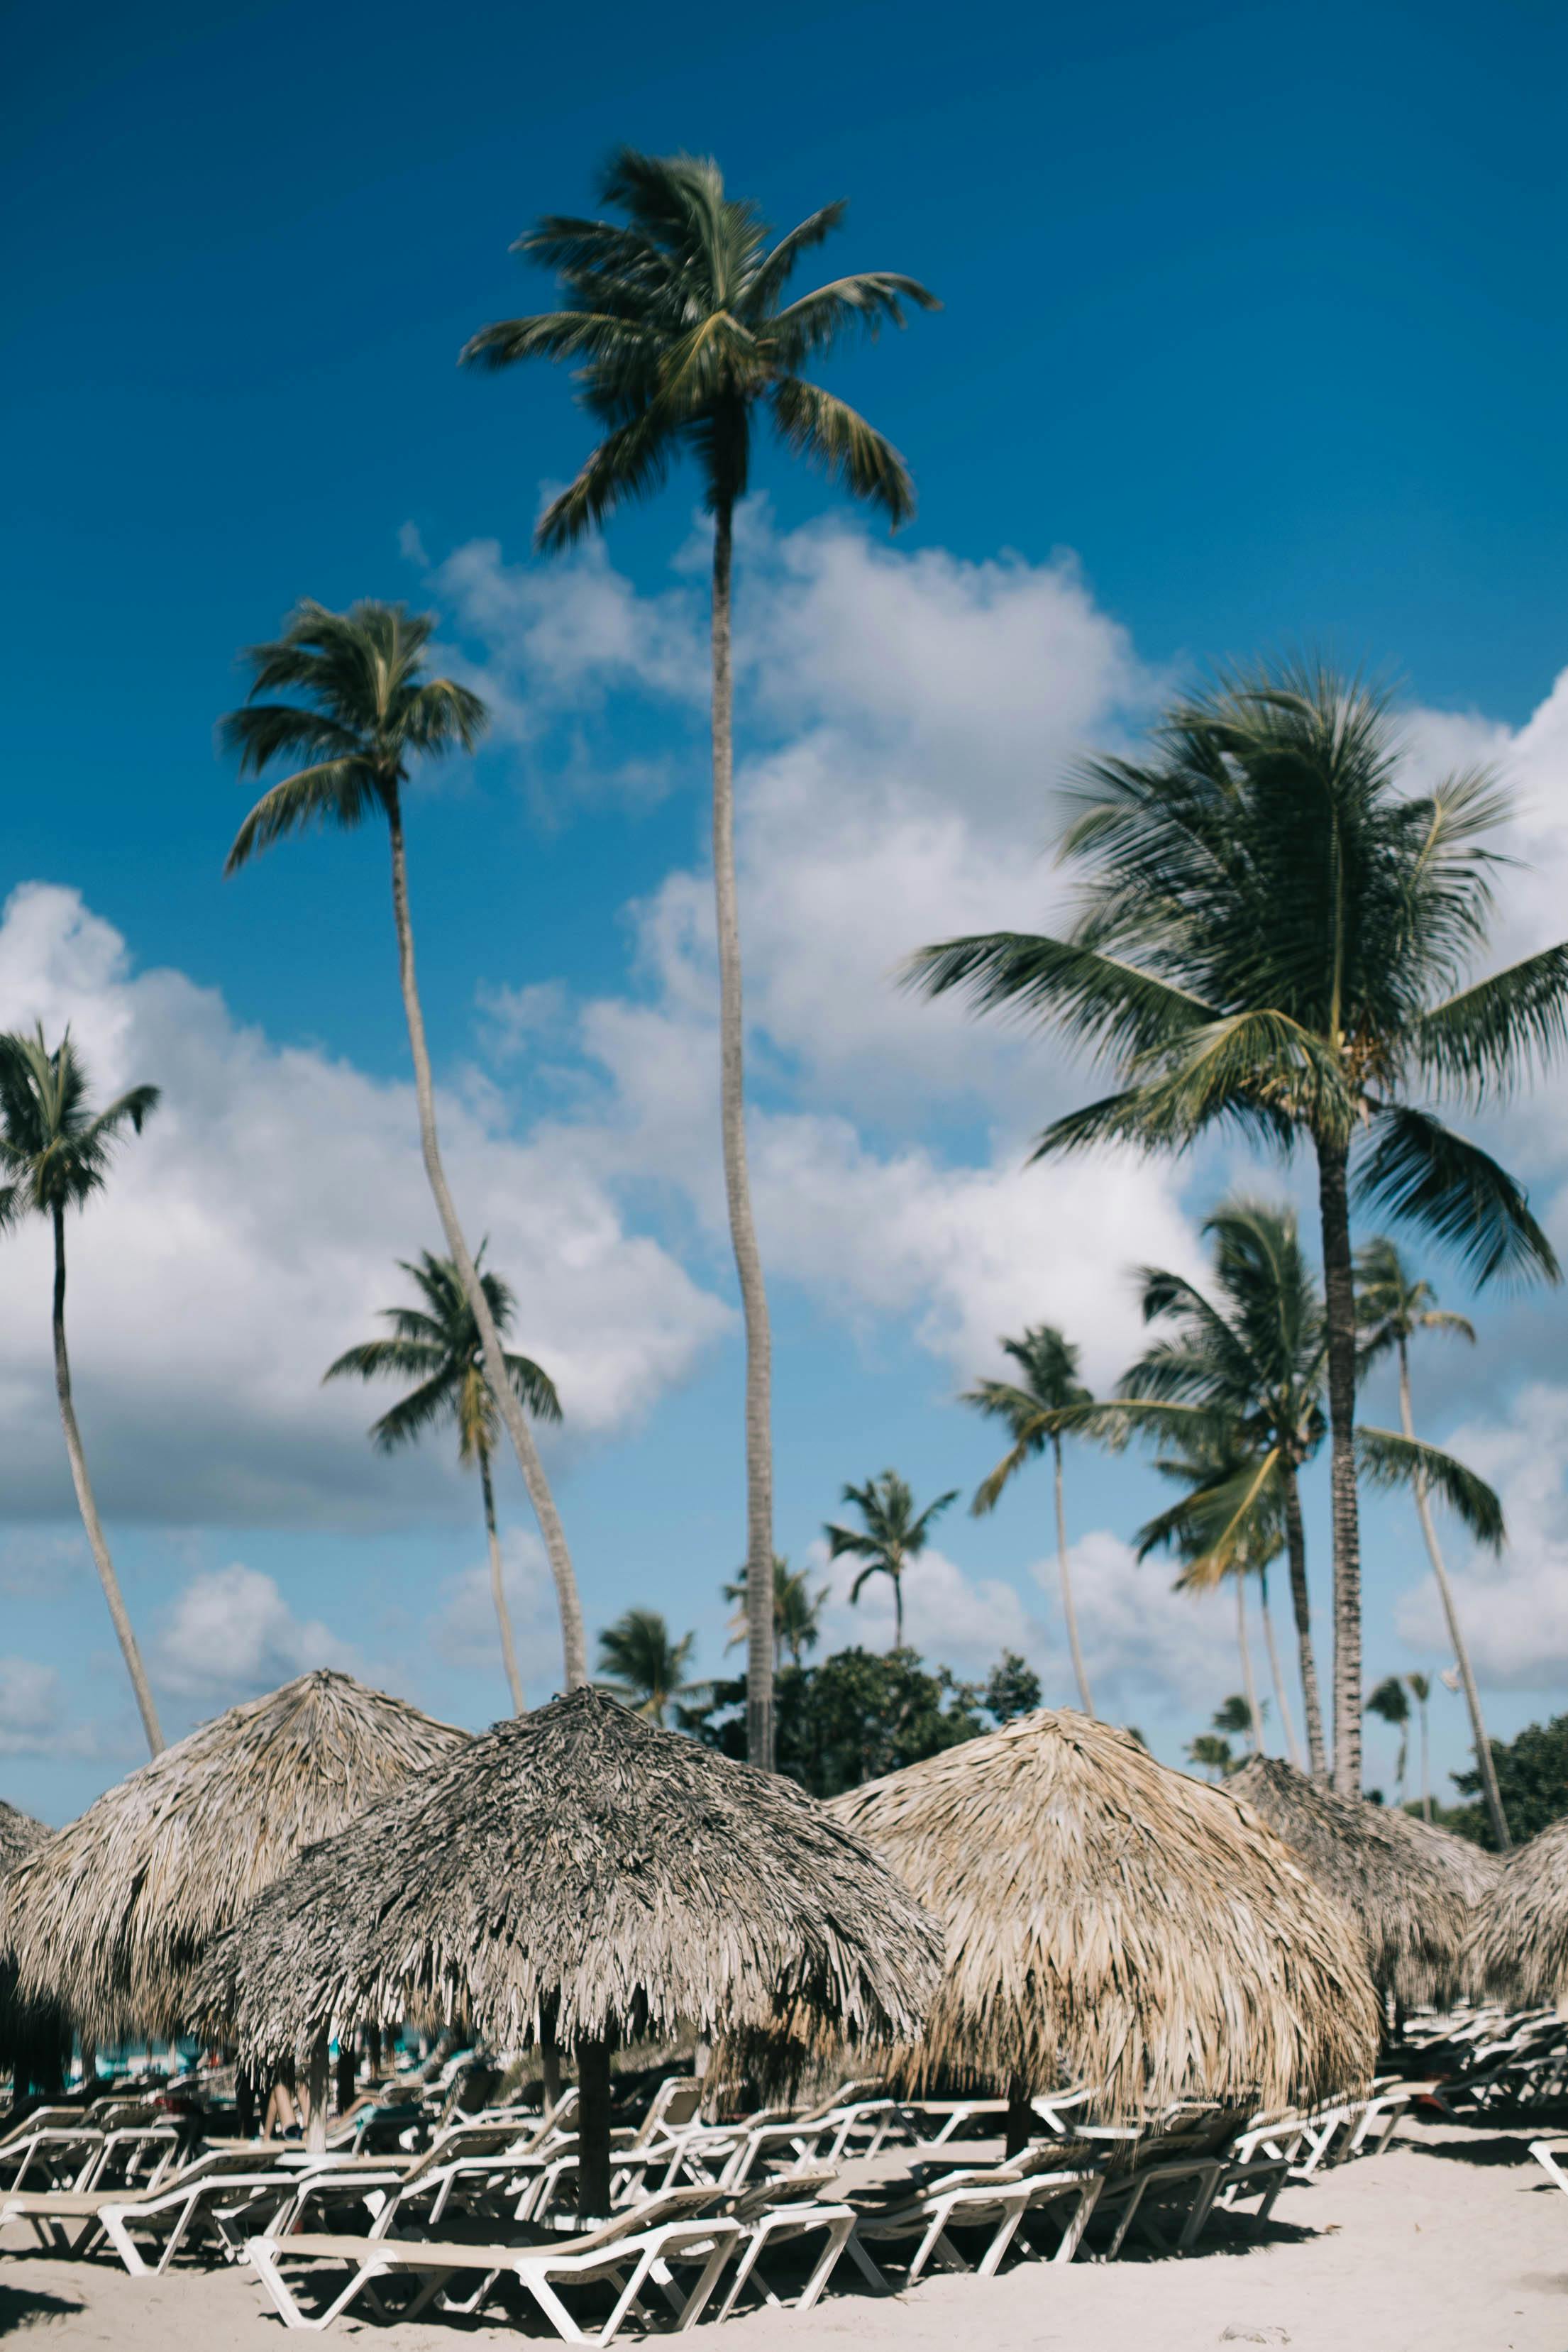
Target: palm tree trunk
pixel 1292 1745
pixel 1426 1767
pixel 1301 1607
pixel 737 1182
pixel 1339 1293
pixel 1484 1764
pixel 1070 1613
pixel 87 1507
pixel 1248 1682
pixel 497 1589
pixel 573 1647
pixel 898 1610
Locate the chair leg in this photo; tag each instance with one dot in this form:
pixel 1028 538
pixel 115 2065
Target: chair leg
pixel 875 2277
pixel 991 2261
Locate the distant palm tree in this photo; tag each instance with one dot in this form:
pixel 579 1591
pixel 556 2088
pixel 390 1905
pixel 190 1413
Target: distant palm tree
pixel 1214 1463
pixel 675 316
pixel 892 1534
pixel 1274 938
pixel 1421 1691
pixel 1391 1305
pixel 645 1667
pixel 797 1610
pixel 1047 1364
pixel 1212 1753
pixel 54 1155
pixel 365 710
pixel 1391 1700
pixel 438 1346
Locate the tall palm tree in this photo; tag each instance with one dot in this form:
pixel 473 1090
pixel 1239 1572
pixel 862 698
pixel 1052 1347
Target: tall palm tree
pixel 892 1533
pixel 1392 1305
pixel 1275 935
pixel 1421 1691
pixel 54 1155
pixel 1391 1700
pixel 360 711
pixel 1048 1365
pixel 438 1346
pixel 677 317
pixel 797 1610
pixel 646 1667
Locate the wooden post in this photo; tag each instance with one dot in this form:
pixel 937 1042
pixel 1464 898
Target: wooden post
pixel 244 2102
pixel 316 2092
pixel 593 2132
pixel 348 2070
pixel 1022 2120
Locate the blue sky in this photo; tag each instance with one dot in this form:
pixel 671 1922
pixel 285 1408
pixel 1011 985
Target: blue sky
pixel 1252 337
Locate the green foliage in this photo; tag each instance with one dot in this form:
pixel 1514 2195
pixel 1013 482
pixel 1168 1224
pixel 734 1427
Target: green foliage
pixel 437 1347
pixel 1532 1781
pixel 1212 1753
pixel 1047 1364
pixel 645 1665
pixel 1233 1714
pixel 54 1147
pixel 1272 936
pixel 891 1534
pixel 856 1716
pixel 675 320
pixel 797 1610
pixel 364 709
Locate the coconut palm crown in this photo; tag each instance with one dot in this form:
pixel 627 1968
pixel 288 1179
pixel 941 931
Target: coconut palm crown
pixel 1275 935
pixel 891 1534
pixel 438 1346
pixel 356 705
pixel 55 1152
pixel 644 1664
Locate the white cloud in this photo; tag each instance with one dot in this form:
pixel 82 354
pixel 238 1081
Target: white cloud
pixel 1142 1642
pixel 965 1621
pixel 249 1236
pixel 1513 1610
pixel 33 1712
pixel 464 1631
pixel 231 1634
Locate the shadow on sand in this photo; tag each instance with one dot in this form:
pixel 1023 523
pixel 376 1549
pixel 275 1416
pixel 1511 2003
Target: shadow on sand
pixel 26 2307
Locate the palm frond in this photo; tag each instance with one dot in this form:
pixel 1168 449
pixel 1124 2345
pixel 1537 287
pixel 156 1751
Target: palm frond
pixel 1478 1039
pixel 341 792
pixel 868 300
pixel 1386 1459
pixel 1419 1168
pixel 817 425
pixel 628 464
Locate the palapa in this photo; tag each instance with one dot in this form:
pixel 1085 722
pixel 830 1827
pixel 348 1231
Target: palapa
pixel 1406 1894
pixel 1113 1921
pixel 109 1916
pixel 1519 1937
pixel 579 1875
pixel 35 2039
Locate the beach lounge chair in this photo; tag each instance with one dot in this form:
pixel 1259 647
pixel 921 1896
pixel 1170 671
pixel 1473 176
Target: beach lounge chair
pixel 1548 2154
pixel 675 2228
pixel 775 2214
pixel 71 2221
pixel 991 2202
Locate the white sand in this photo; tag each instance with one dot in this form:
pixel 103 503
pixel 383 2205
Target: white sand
pixel 1451 2242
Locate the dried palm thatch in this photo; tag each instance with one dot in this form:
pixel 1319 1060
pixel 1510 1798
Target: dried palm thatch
pixel 1403 1890
pixel 1110 1920
pixel 579 1872
pixel 109 1916
pixel 1519 1937
pixel 33 2037
pixel 1476 1868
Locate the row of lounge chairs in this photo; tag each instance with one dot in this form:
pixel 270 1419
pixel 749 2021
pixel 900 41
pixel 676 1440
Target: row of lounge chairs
pixel 455 2205
pixel 1482 2060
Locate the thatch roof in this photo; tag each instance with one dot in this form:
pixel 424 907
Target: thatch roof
pixel 32 2033
pixel 1396 1878
pixel 111 1914
pixel 19 1834
pixel 1111 1920
pixel 1476 1868
pixel 580 1870
pixel 1519 1937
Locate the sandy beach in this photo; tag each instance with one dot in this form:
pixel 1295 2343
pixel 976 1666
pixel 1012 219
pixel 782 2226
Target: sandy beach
pixel 1451 2242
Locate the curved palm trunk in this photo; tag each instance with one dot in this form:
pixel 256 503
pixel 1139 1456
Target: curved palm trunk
pixel 1339 1293
pixel 1426 1768
pixel 897 1575
pixel 737 1182
pixel 573 1647
pixel 1248 1681
pixel 1301 1608
pixel 1069 1613
pixel 498 1588
pixel 87 1507
pixel 1292 1745
pixel 1484 1764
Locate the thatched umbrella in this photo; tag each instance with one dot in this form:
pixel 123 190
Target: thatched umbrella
pixel 1519 1937
pixel 109 1916
pixel 578 1874
pixel 1404 1892
pixel 1112 1920
pixel 33 2037
pixel 1476 1868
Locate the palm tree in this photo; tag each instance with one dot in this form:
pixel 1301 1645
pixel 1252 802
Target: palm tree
pixel 1391 1700
pixel 797 1610
pixel 892 1534
pixel 1047 1364
pixel 647 1668
pixel 1212 1753
pixel 1421 1691
pixel 1392 1305
pixel 438 1346
pixel 364 711
pixel 675 315
pixel 54 1155
pixel 1274 936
